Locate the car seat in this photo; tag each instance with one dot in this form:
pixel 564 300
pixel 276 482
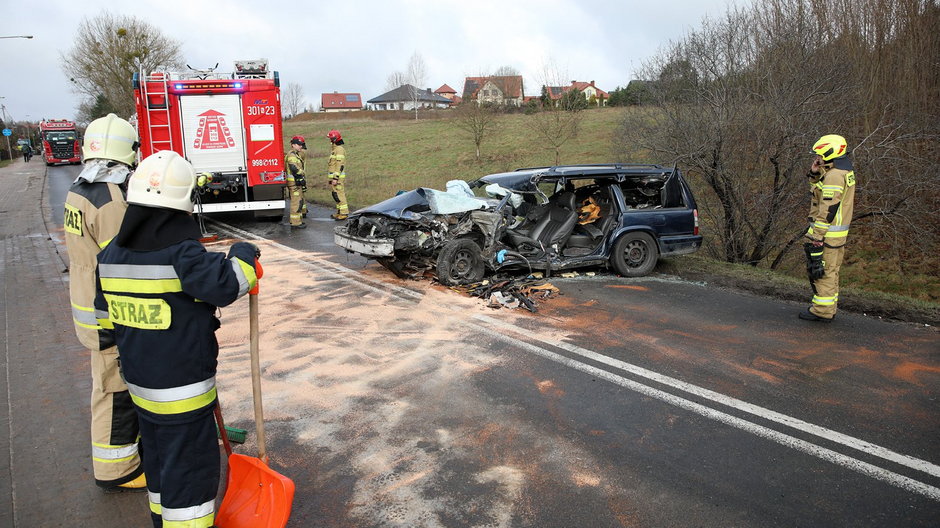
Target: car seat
pixel 553 228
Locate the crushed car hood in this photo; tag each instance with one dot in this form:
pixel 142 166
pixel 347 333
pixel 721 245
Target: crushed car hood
pixel 413 205
pixel 409 205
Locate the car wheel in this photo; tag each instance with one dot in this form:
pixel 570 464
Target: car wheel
pixel 634 255
pixel 395 266
pixel 460 262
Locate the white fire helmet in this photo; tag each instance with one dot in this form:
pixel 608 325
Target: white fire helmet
pixel 112 138
pixel 165 180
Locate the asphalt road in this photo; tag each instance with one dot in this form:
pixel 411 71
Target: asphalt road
pixel 624 402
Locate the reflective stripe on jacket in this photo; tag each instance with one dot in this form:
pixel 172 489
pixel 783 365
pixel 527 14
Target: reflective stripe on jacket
pixel 93 215
pixel 295 162
pixel 337 163
pixel 161 307
pixel 830 212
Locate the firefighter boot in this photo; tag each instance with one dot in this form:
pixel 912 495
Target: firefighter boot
pixel 807 315
pixel 338 216
pixel 138 485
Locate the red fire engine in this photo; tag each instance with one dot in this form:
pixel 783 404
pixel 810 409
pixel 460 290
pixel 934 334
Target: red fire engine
pixel 59 141
pixel 227 124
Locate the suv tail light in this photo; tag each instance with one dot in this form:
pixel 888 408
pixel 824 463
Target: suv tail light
pixel 695 214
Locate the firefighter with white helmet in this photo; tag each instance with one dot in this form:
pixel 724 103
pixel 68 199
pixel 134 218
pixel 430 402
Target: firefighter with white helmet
pixel 337 174
pixel 94 209
pixel 295 161
pixel 832 182
pixel 158 290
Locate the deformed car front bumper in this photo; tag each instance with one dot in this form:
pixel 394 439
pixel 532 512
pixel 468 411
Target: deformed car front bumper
pixel 370 247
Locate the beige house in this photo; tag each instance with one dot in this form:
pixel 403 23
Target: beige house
pixel 501 90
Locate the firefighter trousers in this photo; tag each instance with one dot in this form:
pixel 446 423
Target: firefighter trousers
pixel 339 196
pixel 294 194
pixel 826 288
pixel 114 427
pixel 183 467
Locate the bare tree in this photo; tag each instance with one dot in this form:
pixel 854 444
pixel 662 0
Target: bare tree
pixel 559 121
pixel 108 50
pixel 506 71
pixel 293 99
pixel 416 73
pixel 395 80
pixel 479 121
pixel 739 101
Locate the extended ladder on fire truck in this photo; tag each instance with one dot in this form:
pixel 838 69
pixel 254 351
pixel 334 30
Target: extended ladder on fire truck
pixel 158 109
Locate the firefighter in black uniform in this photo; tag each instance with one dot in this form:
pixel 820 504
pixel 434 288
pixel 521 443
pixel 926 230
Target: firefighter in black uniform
pixel 158 290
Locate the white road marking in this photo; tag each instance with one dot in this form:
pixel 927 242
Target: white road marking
pixel 486 325
pixel 783 419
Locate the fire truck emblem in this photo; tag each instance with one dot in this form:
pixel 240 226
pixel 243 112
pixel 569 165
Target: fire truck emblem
pixel 212 132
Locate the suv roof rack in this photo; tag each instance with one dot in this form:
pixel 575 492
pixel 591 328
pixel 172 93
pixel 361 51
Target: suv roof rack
pixel 614 166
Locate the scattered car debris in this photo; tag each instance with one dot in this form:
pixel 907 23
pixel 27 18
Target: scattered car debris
pixel 509 292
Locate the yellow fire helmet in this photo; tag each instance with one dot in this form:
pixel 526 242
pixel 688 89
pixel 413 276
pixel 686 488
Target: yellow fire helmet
pixel 165 180
pixel 110 137
pixel 830 146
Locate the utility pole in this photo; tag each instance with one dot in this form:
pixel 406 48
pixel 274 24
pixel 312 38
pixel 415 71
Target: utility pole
pixel 3 108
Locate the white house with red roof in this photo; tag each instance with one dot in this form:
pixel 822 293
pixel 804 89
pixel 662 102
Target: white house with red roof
pixel 340 102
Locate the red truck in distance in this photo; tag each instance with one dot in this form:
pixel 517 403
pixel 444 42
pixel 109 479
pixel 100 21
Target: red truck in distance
pixel 60 142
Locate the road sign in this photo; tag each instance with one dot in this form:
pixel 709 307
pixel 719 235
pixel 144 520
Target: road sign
pixel 7 132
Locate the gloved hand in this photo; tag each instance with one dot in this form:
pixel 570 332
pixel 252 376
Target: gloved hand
pixel 300 181
pixel 245 251
pixel 815 266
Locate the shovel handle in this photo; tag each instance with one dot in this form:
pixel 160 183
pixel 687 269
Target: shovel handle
pixel 222 431
pixel 256 374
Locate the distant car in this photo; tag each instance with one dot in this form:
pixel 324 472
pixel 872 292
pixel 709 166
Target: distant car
pixel 546 218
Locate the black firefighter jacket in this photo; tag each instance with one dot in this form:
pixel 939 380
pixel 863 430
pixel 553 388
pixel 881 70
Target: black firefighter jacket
pixel 161 306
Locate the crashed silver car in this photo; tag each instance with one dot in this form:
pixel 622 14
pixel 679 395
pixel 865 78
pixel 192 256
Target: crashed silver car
pixel 544 218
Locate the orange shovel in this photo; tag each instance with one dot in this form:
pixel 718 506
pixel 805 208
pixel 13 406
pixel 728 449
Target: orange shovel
pixel 256 496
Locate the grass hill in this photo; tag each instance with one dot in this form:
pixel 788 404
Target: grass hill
pixel 388 155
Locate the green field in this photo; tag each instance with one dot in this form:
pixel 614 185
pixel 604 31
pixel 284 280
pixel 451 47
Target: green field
pixel 386 155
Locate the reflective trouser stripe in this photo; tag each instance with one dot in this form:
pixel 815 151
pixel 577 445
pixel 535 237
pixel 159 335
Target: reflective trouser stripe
pixel 175 400
pixel 84 316
pixel 824 301
pixel 245 274
pixel 201 516
pixel 154 499
pixel 111 453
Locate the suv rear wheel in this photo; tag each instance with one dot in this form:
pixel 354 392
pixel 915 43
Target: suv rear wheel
pixel 460 262
pixel 634 255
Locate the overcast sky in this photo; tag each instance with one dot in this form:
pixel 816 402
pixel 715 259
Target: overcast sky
pixel 353 46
